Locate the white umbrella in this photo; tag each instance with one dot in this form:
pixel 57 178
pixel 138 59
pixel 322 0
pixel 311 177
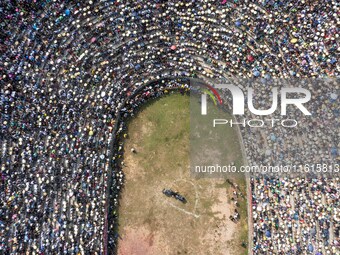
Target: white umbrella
pixel 334 96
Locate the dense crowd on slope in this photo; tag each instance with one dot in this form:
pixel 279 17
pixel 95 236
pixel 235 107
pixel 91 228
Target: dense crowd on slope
pixel 67 69
pixel 294 139
pixel 296 215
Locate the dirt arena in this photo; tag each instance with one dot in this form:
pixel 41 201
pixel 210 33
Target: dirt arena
pixel 152 223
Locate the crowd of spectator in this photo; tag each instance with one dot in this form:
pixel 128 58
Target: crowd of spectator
pixel 69 70
pixel 296 215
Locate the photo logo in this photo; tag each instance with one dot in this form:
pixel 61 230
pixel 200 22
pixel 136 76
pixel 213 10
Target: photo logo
pixel 238 99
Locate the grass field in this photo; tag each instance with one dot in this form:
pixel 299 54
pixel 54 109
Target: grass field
pixel 150 222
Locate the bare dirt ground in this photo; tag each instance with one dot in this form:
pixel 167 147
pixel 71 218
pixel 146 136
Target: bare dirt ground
pixel 151 223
